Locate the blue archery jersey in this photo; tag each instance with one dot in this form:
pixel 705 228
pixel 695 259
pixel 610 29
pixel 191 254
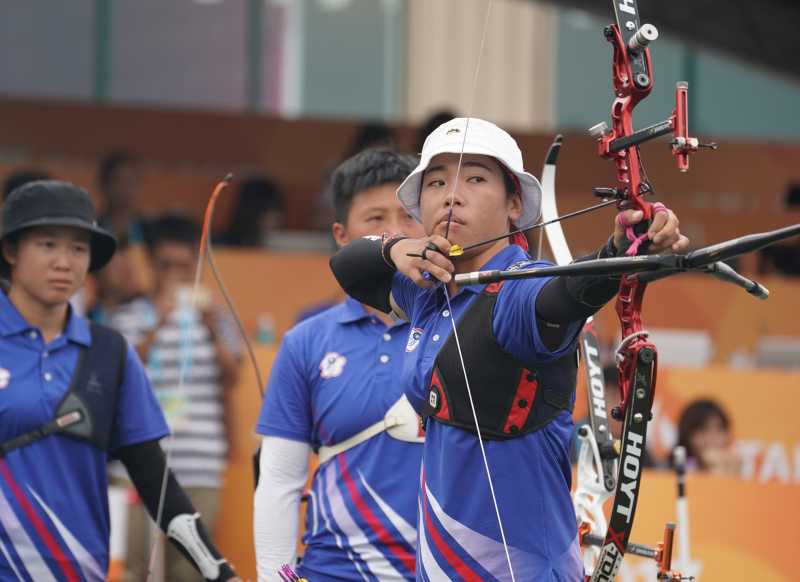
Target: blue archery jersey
pixel 54 522
pixel 459 536
pixel 336 374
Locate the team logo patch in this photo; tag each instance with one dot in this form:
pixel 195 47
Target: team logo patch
pixel 332 365
pixel 413 339
pixel 5 377
pixel 452 131
pixel 519 265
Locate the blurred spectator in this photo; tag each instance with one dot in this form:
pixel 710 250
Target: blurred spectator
pixel 783 258
pixel 260 210
pixel 19 177
pixel 371 135
pixel 116 284
pixel 705 431
pixel 118 181
pixel 432 122
pixel 178 335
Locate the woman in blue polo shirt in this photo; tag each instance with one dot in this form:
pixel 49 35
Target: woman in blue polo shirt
pixel 71 394
pixel 517 340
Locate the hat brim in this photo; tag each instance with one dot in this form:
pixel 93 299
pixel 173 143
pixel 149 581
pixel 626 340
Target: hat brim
pixel 102 243
pixel 531 190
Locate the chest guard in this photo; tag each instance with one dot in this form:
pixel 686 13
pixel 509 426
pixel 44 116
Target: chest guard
pixel 88 410
pixel 511 399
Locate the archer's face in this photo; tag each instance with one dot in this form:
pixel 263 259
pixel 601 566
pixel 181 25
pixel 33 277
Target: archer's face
pixel 481 206
pixel 376 211
pixel 50 263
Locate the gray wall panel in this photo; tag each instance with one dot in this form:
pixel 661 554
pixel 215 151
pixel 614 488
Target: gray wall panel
pixel 46 48
pixel 179 52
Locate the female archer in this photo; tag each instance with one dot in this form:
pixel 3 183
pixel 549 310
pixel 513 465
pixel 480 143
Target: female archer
pixel 509 348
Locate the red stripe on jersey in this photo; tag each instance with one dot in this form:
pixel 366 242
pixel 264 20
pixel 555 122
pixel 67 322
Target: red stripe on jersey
pixel 49 541
pixel 386 538
pixel 464 571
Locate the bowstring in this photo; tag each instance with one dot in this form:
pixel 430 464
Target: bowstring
pixel 475 78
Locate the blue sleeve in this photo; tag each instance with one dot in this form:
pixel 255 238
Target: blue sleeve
pixel 404 293
pixel 515 326
pixel 286 411
pixel 139 417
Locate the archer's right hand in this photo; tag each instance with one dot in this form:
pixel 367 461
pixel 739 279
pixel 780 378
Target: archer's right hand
pixel 416 256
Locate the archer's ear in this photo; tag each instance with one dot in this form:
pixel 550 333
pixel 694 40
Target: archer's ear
pixel 9 251
pixel 515 207
pixel 340 235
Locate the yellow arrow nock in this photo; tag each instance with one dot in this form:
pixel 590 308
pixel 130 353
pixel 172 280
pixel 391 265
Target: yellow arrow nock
pixel 455 251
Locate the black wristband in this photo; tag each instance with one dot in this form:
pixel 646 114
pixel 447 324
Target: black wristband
pixel 362 271
pixel 386 248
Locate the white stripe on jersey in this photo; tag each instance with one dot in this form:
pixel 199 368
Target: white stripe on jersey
pixel 429 566
pixel 89 566
pixel 356 539
pixel 24 546
pixel 336 536
pixel 487 552
pixel 409 533
pixel 11 563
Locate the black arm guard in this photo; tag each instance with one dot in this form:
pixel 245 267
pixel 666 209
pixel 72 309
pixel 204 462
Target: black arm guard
pixel 567 299
pixel 146 464
pixel 363 273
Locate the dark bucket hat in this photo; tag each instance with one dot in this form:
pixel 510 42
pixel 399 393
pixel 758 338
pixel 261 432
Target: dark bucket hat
pixel 56 203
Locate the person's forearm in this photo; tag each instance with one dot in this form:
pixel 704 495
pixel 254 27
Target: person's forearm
pixel 276 504
pixel 566 300
pixel 146 465
pixel 364 272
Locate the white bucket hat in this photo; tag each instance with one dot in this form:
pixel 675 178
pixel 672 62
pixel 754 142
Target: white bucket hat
pixel 484 138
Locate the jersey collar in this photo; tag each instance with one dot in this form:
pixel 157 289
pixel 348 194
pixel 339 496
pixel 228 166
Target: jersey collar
pixel 12 322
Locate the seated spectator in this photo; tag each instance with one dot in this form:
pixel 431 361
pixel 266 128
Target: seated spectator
pixel 118 181
pixel 19 177
pixel 704 429
pixel 260 210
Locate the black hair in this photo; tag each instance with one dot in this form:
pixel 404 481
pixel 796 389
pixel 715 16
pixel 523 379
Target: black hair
pixel 110 164
pixel 174 228
pixel 13 241
pixel 21 177
pixel 365 170
pixel 694 418
pixel 257 196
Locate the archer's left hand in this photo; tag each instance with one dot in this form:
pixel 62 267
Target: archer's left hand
pixel 664 234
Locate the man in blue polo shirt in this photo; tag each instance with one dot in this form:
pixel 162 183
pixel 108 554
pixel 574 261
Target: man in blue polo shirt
pixel 335 388
pixel 70 395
